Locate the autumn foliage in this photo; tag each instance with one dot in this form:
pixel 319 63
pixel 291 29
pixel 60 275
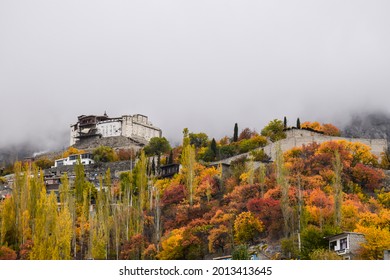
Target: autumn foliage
pixel 326 128
pixel 204 211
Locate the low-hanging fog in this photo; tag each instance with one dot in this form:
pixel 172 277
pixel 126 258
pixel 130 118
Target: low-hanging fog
pixel 199 64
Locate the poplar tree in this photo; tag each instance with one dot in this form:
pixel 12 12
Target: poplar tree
pixel 99 227
pixel 213 147
pixel 140 181
pixel 186 138
pixel 63 234
pixel 261 178
pixel 79 183
pixel 281 179
pixel 188 167
pixel 64 227
pixel 126 181
pixel 338 189
pixel 44 236
pixel 251 172
pixel 187 161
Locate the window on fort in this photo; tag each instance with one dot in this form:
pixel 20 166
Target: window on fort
pixel 343 244
pixel 74 157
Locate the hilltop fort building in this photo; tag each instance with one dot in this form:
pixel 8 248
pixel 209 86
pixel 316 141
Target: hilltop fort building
pixel 136 127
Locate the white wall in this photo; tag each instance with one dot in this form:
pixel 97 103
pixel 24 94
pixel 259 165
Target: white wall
pixel 109 128
pixel 73 134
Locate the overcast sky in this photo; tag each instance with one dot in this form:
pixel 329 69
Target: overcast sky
pixel 201 64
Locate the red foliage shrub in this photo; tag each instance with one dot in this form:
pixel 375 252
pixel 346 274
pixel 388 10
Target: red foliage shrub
pixel 173 195
pixel 7 253
pixel 367 177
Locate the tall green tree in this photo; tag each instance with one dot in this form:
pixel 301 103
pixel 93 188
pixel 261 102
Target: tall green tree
pixel 140 182
pixel 79 182
pixel 235 134
pixel 170 160
pixel 274 130
pixel 213 147
pixel 199 139
pixel 241 252
pixel 157 146
pixel 186 138
pixel 104 154
pixel 298 124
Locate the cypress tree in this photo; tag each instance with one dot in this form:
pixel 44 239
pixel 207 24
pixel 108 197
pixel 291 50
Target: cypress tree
pixel 170 161
pixel 158 163
pixel 235 135
pixel 213 147
pixel 149 167
pixel 285 122
pixel 153 167
pixel 298 124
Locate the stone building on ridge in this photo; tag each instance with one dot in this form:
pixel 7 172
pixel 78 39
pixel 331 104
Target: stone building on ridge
pixel 136 127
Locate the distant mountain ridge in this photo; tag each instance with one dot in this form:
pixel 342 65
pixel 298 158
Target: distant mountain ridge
pixel 372 125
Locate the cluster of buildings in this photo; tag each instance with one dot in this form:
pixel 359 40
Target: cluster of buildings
pixel 136 127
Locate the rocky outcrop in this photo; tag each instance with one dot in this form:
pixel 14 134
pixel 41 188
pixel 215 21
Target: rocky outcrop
pixel 117 142
pixel 373 125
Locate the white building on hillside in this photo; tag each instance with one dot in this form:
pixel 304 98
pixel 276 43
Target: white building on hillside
pixel 346 244
pixel 86 158
pixel 136 127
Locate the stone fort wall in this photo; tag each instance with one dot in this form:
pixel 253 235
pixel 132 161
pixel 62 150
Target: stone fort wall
pixel 300 137
pixel 378 146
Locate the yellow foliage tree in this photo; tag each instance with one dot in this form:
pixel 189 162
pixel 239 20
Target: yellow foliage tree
pixel 188 169
pixel 44 235
pixel 72 151
pixel 247 227
pixel 377 240
pixel 171 245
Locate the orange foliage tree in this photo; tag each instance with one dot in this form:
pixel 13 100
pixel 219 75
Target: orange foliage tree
pixel 326 128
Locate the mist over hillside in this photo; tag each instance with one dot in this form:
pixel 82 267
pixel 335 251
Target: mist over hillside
pixel 361 125
pixel 33 146
pixel 368 125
